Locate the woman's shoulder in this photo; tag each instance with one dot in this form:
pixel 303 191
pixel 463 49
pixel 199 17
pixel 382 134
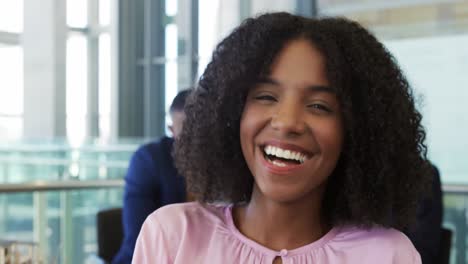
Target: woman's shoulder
pixel 177 228
pixel 381 236
pixel 188 214
pixel 193 209
pixel 378 242
pixel 373 233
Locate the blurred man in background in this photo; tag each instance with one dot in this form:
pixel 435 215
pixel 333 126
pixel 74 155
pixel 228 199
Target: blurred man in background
pixel 151 181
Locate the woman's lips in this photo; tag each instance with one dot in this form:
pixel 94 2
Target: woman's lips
pixel 278 166
pixel 287 146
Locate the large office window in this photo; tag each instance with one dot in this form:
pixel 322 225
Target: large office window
pixel 88 63
pixel 105 12
pixel 77 87
pixel 77 13
pixel 11 69
pixel 11 15
pixel 430 41
pixel 436 67
pixel 105 93
pixel 11 92
pixel 88 70
pixel 171 51
pixel 228 15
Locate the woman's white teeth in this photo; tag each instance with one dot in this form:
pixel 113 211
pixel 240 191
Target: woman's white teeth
pixel 284 154
pixel 279 164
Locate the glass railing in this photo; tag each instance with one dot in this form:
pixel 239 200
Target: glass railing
pixel 62 223
pixel 29 161
pixel 455 219
pixel 51 192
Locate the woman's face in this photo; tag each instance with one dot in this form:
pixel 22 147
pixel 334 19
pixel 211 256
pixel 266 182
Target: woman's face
pixel 291 128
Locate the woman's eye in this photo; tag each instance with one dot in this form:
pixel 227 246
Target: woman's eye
pixel 320 107
pixel 265 98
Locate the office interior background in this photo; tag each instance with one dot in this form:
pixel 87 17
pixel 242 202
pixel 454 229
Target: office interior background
pixel 84 82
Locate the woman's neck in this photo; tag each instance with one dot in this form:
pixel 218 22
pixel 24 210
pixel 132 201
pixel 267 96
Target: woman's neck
pixel 280 225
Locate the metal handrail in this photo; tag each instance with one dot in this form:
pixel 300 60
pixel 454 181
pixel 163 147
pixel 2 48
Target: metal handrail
pixel 455 188
pixel 63 185
pixel 44 161
pixel 123 147
pixel 35 186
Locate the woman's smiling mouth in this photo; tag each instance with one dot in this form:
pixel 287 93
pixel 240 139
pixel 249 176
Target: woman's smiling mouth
pixel 283 159
pixel 273 153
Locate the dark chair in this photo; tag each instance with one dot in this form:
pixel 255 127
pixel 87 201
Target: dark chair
pixel 445 245
pixel 109 233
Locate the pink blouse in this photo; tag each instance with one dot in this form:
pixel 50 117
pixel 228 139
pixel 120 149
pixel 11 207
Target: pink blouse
pixel 195 233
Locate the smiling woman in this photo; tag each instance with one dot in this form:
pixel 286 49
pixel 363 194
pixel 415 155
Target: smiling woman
pixel 293 129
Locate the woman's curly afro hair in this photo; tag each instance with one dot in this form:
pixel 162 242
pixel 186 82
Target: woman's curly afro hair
pixel 383 169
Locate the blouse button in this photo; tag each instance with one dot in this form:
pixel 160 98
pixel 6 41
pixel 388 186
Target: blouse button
pixel 283 252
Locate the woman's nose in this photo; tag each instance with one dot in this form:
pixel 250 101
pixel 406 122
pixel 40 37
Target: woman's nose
pixel 288 119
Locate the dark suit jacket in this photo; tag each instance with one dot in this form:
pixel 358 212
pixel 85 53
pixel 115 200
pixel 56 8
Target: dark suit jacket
pixel 426 234
pixel 151 182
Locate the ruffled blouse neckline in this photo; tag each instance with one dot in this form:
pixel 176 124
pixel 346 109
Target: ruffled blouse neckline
pixel 284 252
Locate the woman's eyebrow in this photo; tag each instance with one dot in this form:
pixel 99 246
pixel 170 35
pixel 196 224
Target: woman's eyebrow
pixel 321 88
pixel 268 80
pixel 310 88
